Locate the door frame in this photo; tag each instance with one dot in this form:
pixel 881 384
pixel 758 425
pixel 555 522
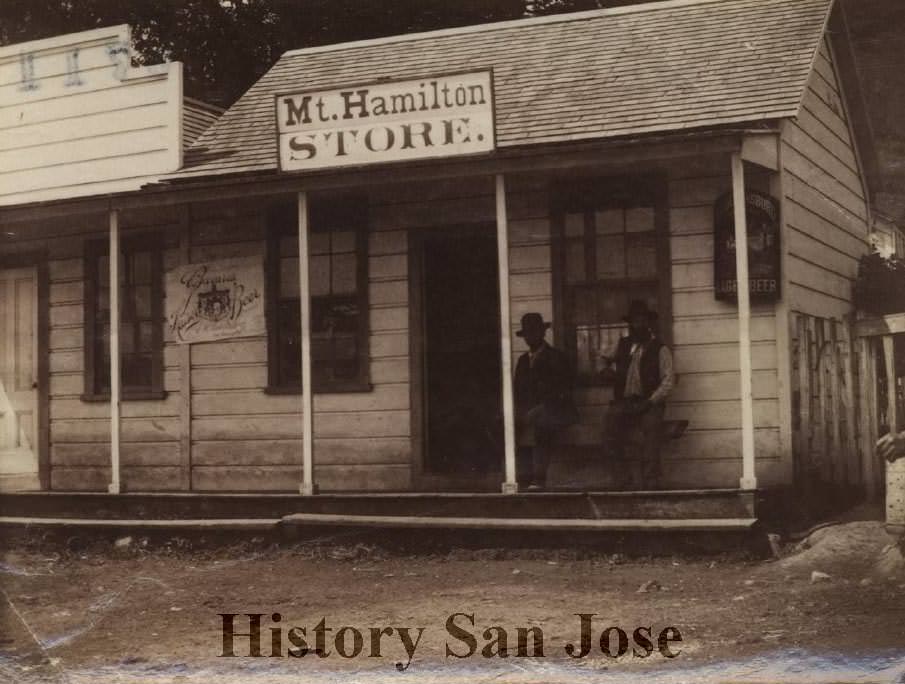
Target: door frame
pixel 421 479
pixel 37 259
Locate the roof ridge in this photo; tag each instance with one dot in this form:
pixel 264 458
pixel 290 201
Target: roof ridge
pixel 654 5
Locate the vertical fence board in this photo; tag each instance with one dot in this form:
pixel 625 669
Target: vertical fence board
pixel 852 470
pixel 819 420
pixel 804 398
pixel 867 405
pixel 835 397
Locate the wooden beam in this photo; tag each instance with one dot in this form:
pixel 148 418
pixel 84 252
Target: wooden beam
pixel 748 479
pixel 803 457
pixel 895 471
pixel 113 252
pixel 556 524
pixel 867 378
pixel 833 363
pixel 510 484
pixel 761 149
pixel 307 484
pixel 185 367
pixel 892 405
pixel 881 325
pixel 852 470
pixel 615 155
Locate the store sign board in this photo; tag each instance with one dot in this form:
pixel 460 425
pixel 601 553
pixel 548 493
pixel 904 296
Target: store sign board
pixel 762 216
pixel 442 116
pixel 216 300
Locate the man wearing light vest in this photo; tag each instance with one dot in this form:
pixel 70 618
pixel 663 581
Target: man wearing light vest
pixel 641 371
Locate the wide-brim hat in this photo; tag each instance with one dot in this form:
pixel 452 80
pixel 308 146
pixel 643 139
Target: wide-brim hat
pixel 532 321
pixel 638 307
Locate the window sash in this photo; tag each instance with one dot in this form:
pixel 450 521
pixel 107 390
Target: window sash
pixel 141 320
pixel 335 238
pixel 594 220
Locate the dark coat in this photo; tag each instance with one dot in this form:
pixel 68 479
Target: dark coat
pixel 549 383
pixel 650 366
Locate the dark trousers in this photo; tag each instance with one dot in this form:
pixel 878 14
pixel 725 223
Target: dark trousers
pixel 632 441
pixel 537 430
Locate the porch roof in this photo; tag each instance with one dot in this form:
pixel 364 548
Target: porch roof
pixel 629 71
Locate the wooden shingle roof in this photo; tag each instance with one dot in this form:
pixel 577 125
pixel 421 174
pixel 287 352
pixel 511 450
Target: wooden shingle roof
pixel 654 68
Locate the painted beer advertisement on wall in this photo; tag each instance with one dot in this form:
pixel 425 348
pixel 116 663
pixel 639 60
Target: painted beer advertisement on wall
pixel 216 300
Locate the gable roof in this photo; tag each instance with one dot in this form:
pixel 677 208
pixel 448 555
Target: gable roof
pixel 653 68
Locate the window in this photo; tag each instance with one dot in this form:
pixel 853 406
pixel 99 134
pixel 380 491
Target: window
pixel 141 319
pixel 338 261
pixel 610 247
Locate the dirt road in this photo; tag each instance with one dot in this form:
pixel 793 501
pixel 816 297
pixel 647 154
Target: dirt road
pixel 152 614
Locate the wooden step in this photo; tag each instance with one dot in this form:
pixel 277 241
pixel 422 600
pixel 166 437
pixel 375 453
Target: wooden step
pixel 566 525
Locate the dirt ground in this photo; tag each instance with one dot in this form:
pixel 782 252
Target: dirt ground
pixel 148 612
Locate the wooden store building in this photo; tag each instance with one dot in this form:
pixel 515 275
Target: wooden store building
pixel 320 292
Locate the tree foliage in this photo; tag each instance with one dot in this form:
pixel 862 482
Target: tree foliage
pixel 226 45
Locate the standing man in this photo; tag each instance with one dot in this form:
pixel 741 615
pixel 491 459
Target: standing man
pixel 543 400
pixel 642 375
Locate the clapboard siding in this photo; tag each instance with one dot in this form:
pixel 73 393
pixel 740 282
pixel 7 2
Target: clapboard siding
pixel 197 117
pixel 826 212
pixel 244 438
pixel 127 126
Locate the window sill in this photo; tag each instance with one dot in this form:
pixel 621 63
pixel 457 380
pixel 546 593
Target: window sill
pixel 126 396
pixel 350 387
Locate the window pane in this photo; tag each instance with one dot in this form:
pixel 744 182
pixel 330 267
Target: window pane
pixel 318 243
pixel 289 340
pixel 320 275
pixel 574 225
pixel 321 348
pixel 575 262
pixel 289 278
pixel 641 256
pixel 146 336
pixel 289 245
pixel 103 269
pixel 126 339
pixel 639 220
pixel 141 297
pixel 586 346
pixel 608 221
pixel 103 301
pixel 612 305
pixel 344 266
pixel 585 306
pixel 345 346
pixel 610 256
pixel 141 267
pixel 343 241
pixel 136 370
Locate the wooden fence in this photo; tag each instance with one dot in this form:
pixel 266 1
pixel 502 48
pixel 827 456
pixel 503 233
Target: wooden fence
pixel 827 408
pixel 883 342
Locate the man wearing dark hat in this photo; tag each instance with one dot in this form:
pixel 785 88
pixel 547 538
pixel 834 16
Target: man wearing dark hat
pixel 543 400
pixel 642 374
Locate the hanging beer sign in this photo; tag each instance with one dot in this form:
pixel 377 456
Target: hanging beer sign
pixel 762 216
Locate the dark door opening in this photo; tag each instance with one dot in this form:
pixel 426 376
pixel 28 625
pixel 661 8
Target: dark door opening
pixel 462 395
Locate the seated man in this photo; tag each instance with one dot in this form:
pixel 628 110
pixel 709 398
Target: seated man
pixel 642 374
pixel 543 400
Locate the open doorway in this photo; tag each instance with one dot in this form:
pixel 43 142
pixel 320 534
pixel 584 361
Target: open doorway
pixel 461 404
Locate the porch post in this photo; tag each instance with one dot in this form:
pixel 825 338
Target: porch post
pixel 749 478
pixel 113 259
pixel 306 487
pixel 510 485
